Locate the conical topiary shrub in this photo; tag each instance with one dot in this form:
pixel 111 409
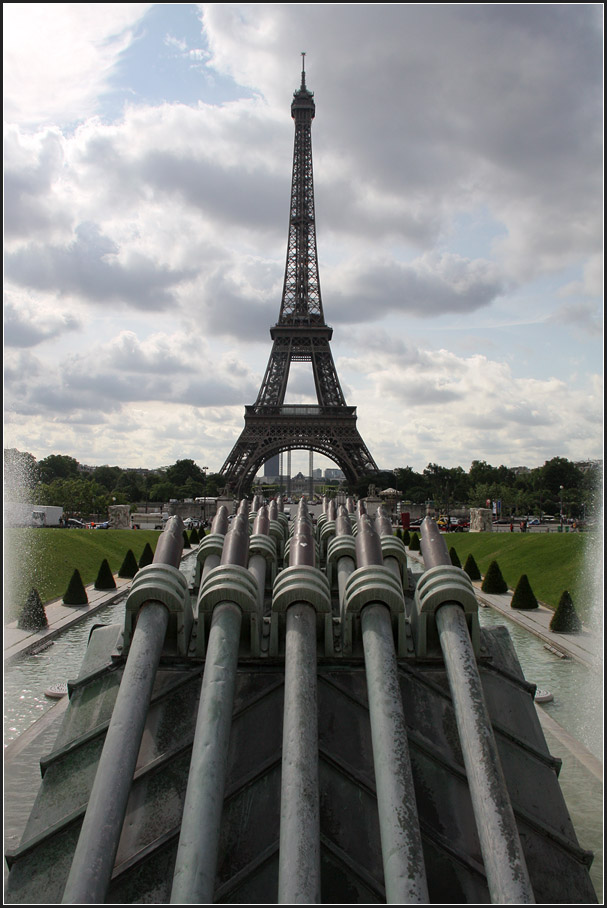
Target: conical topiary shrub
pixel 147 556
pixel 524 597
pixel 414 545
pixel 32 617
pixel 75 593
pixel 471 568
pixel 565 619
pixel 406 537
pixel 493 581
pixel 454 557
pixel 186 541
pixel 105 578
pixel 128 568
pixel 194 540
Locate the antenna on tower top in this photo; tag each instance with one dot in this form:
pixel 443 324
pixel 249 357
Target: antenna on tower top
pixel 303 69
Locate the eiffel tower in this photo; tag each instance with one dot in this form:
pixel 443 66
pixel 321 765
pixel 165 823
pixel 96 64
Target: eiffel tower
pixel 300 335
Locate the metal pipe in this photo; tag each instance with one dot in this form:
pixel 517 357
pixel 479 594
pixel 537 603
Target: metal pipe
pixel 384 528
pixel 505 866
pixel 402 853
pixel 345 565
pixel 257 563
pixel 299 858
pixel 220 521
pixel 196 862
pixel 383 522
pixel 403 859
pixel 220 527
pixel 95 852
pixel 170 543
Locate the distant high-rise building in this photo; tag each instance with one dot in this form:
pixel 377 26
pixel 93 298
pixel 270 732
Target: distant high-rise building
pixel 272 466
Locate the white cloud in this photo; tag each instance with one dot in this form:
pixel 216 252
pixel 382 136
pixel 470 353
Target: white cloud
pixel 58 57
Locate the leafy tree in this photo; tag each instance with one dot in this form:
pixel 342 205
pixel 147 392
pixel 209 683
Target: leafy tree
pixel 559 472
pixel 163 491
pixel 107 477
pixel 57 466
pixel 183 470
pixel 130 485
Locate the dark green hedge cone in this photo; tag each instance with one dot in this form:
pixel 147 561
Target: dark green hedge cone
pixel 147 556
pixel 414 545
pixel 33 616
pixel 524 597
pixel 194 540
pixel 406 537
pixel 128 568
pixel 75 593
pixel 186 541
pixel 105 578
pixel 454 557
pixel 471 568
pixel 493 581
pixel 565 619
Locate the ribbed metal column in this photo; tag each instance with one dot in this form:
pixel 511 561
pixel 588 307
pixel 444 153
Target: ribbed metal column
pixel 196 863
pixel 404 870
pixel 345 565
pixel 384 528
pixel 299 861
pixel 219 525
pixel 95 852
pixel 257 563
pixel 505 864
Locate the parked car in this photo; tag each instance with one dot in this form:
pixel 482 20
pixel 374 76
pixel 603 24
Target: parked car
pixel 103 526
pixel 72 522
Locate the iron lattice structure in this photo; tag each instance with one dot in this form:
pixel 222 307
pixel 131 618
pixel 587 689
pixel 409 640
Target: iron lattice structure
pixel 300 335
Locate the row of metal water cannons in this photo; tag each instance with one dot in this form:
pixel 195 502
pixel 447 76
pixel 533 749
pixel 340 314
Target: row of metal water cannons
pixel 326 592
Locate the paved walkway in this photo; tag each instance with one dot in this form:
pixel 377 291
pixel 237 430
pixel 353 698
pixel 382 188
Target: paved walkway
pixel 585 647
pixel 59 617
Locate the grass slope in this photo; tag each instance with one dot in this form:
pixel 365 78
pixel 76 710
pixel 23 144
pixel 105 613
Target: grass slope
pixel 553 562
pixel 46 558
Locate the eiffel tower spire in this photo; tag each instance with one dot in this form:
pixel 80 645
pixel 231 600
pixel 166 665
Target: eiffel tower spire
pixel 300 335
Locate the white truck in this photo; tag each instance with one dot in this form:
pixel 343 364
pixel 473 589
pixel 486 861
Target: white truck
pixel 22 514
pixel 46 515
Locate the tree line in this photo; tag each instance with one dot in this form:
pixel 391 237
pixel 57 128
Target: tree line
pixel 559 483
pixel 59 480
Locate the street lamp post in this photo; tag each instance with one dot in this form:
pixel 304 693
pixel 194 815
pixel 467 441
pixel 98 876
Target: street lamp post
pixel 204 497
pixel 561 499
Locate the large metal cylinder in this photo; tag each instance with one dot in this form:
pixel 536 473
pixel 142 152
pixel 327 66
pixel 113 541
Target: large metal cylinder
pixel 505 865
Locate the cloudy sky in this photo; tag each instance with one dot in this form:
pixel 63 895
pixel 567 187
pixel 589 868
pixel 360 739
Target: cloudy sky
pixel 459 199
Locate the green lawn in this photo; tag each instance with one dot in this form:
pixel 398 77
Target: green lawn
pixel 46 559
pixel 553 562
